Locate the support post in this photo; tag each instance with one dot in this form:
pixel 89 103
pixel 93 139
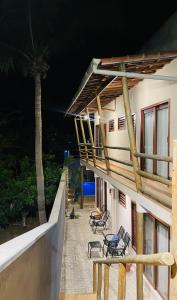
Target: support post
pixel 82 180
pixel 131 131
pixel 103 134
pixel 139 250
pixel 91 137
pixel 77 135
pixel 122 282
pixel 84 138
pixel 99 286
pixel 106 282
pixel 173 280
pixel 94 277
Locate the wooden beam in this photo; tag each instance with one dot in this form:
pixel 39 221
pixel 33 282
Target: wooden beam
pixel 157 259
pixel 91 137
pixel 84 138
pixel 131 131
pixel 139 251
pixel 106 282
pixel 94 277
pixel 77 135
pixel 122 282
pixel 173 280
pixel 99 286
pixel 103 134
pixel 154 177
pixel 155 157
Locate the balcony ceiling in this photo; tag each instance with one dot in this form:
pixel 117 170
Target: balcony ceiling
pixel 109 87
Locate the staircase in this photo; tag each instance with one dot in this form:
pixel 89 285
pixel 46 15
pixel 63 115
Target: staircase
pixel 77 297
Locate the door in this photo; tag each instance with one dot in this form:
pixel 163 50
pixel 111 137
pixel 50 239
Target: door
pixel 162 139
pixel 155 138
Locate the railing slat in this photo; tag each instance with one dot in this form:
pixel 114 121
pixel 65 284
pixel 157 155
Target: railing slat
pixel 106 282
pixel 122 282
pixel 99 286
pixel 94 278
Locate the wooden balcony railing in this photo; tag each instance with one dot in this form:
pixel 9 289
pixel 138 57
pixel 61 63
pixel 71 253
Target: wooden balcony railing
pixel 100 277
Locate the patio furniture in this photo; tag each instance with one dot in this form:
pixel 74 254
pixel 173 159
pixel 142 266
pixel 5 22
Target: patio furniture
pixel 96 215
pixel 113 239
pixel 119 250
pixel 100 223
pixel 94 245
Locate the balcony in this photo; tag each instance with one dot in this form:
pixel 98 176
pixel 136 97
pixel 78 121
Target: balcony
pixel 77 268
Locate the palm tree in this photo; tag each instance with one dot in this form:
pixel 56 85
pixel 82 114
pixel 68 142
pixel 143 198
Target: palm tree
pixel 32 62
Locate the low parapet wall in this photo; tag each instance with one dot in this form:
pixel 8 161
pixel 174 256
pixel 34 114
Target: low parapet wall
pixel 30 264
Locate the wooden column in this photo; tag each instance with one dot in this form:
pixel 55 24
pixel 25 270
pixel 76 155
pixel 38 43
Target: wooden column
pixel 173 280
pixel 139 250
pixel 99 285
pixel 122 282
pixel 91 137
pixel 103 134
pixel 94 277
pixel 106 282
pixel 84 138
pixel 131 131
pixel 82 180
pixel 77 135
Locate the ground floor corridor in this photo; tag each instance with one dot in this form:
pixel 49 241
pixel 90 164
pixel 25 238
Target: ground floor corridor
pixel 76 275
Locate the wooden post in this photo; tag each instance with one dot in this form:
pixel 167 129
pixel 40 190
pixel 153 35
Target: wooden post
pixel 106 282
pixel 99 282
pixel 173 280
pixel 122 282
pixel 77 135
pixel 139 250
pixel 82 180
pixel 84 138
pixel 131 131
pixel 91 137
pixel 103 135
pixel 94 277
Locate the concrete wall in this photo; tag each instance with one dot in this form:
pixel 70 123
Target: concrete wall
pixel 30 264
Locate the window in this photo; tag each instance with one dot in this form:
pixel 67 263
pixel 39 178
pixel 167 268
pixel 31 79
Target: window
pixel 121 123
pixel 156 239
pixel 154 138
pixel 134 225
pixel 122 199
pixel 111 125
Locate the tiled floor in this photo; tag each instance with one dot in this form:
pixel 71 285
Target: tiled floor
pixel 77 267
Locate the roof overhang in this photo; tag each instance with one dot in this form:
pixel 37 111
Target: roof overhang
pixel 103 78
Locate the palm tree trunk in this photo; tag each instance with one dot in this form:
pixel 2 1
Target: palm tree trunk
pixel 38 151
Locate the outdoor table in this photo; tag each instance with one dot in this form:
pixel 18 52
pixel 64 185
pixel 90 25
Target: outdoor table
pixel 93 245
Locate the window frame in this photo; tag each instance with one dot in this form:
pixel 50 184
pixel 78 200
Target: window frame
pixel 153 108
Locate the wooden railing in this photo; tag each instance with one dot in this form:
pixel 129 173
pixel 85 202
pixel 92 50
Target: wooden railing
pixel 100 278
pixel 142 173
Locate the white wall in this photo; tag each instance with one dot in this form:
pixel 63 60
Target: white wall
pixel 144 94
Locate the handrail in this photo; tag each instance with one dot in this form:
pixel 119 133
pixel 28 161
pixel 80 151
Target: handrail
pixel 127 163
pixel 154 156
pixel 118 148
pixel 159 259
pixel 155 177
pixel 123 175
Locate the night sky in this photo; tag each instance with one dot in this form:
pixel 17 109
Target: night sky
pixel 75 32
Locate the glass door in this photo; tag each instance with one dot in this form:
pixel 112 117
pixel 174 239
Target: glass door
pixel 148 139
pixel 162 139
